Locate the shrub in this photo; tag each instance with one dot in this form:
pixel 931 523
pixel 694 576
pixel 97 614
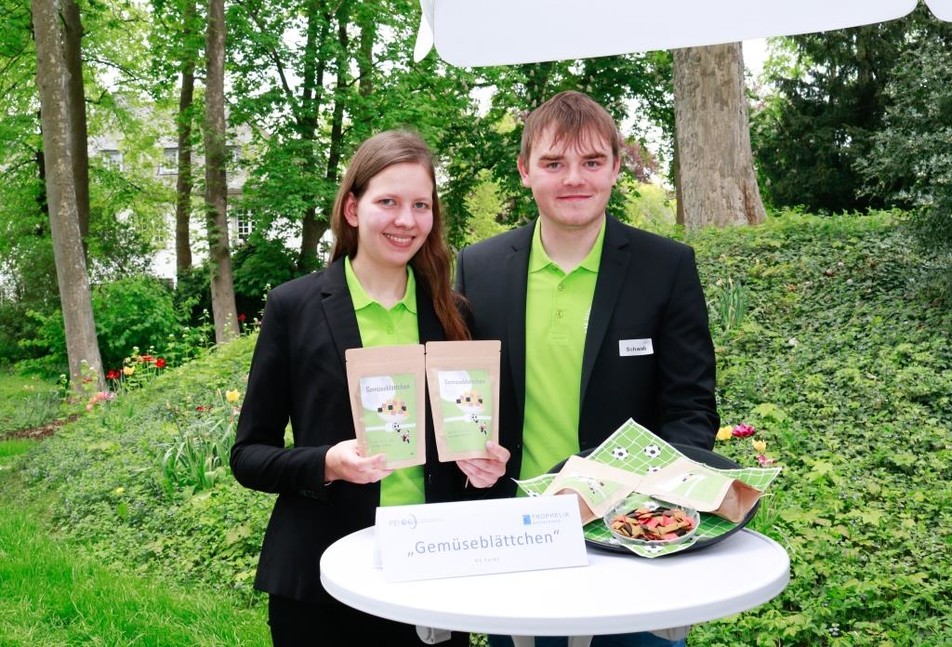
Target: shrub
pixel 136 311
pixel 133 311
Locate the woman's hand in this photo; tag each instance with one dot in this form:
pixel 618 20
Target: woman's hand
pixel 343 462
pixel 484 472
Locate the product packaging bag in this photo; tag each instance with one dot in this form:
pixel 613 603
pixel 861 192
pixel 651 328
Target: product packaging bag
pixel 388 400
pixel 463 381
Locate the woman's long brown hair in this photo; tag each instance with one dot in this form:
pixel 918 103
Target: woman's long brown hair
pixel 431 264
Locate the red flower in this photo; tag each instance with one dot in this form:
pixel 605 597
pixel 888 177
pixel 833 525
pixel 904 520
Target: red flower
pixel 241 317
pixel 160 363
pixel 147 359
pixel 113 374
pixel 743 430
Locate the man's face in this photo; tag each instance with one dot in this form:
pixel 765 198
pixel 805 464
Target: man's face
pixel 570 181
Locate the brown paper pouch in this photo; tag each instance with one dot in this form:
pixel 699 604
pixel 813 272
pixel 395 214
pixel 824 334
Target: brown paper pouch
pixel 690 484
pixel 598 486
pixel 388 401
pixel 463 381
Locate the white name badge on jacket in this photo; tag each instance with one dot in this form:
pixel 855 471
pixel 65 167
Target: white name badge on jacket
pixel 631 347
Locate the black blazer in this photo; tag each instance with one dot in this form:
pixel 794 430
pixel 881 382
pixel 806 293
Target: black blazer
pixel 298 374
pixel 647 288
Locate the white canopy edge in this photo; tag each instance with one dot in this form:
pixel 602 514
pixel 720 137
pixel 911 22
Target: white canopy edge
pixel 475 33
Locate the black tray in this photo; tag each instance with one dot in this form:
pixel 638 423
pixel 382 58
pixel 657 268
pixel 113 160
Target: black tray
pixel 703 456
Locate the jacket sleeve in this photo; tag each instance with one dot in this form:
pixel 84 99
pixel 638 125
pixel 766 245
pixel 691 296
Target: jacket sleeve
pixel 259 459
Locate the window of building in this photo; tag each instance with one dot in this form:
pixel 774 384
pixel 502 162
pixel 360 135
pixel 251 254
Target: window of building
pixel 169 164
pixel 111 158
pixel 243 225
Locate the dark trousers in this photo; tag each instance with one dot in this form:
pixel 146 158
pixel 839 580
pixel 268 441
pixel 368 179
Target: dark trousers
pixel 303 624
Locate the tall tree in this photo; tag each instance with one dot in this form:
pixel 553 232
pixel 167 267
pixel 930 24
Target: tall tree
pixel 55 111
pixel 224 311
pixel 716 183
pixel 826 104
pixel 910 161
pixel 183 122
pixel 79 150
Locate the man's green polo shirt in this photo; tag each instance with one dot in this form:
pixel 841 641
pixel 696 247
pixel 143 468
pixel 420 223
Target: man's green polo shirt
pixel 557 311
pixel 382 327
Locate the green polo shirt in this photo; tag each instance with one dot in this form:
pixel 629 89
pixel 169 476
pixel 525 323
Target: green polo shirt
pixel 382 327
pixel 557 310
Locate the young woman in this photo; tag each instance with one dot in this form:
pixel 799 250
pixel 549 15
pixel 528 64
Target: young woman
pixel 388 283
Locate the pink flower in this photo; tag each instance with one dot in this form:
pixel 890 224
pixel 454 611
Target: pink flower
pixel 743 430
pixel 764 461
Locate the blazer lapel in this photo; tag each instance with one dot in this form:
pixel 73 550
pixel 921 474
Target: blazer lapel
pixel 339 310
pixel 612 273
pixel 428 324
pixel 517 280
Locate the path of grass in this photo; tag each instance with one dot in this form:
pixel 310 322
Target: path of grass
pixel 54 595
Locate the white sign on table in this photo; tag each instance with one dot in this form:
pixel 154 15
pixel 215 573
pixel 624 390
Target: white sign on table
pixel 434 540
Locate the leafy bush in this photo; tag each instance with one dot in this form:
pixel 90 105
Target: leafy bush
pixel 15 324
pixel 259 265
pixel 132 311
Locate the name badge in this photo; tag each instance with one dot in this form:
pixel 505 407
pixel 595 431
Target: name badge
pixel 632 347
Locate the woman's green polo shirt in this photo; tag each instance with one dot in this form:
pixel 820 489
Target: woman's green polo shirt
pixel 382 327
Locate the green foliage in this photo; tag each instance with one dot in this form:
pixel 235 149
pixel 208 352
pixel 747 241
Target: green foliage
pixel 647 205
pixel 198 456
pixel 54 593
pixel 132 312
pixel 257 266
pixel 818 121
pixel 15 325
pixel 28 401
pixel 485 208
pixel 729 303
pixel 193 294
pixel 910 163
pixel 844 367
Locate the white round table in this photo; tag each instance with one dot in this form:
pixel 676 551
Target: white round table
pixel 615 593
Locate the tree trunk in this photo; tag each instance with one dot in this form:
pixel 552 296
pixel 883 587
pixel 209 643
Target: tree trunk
pixel 73 36
pixel 319 19
pixel 52 76
pixel 716 182
pixel 183 182
pixel 216 184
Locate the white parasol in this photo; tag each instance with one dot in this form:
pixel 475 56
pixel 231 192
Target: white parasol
pixel 474 33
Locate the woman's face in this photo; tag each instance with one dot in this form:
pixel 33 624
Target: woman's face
pixel 393 217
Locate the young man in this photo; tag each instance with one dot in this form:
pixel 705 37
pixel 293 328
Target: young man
pixel 599 321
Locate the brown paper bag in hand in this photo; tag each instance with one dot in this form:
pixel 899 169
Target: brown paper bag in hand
pixel 388 399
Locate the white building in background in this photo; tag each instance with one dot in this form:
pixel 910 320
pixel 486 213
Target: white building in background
pixel 240 225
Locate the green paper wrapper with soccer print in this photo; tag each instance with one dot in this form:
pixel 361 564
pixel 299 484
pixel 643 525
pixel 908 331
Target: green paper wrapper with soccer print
pixel 388 400
pixel 463 381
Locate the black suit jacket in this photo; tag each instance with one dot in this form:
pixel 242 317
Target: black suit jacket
pixel 298 375
pixel 647 288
